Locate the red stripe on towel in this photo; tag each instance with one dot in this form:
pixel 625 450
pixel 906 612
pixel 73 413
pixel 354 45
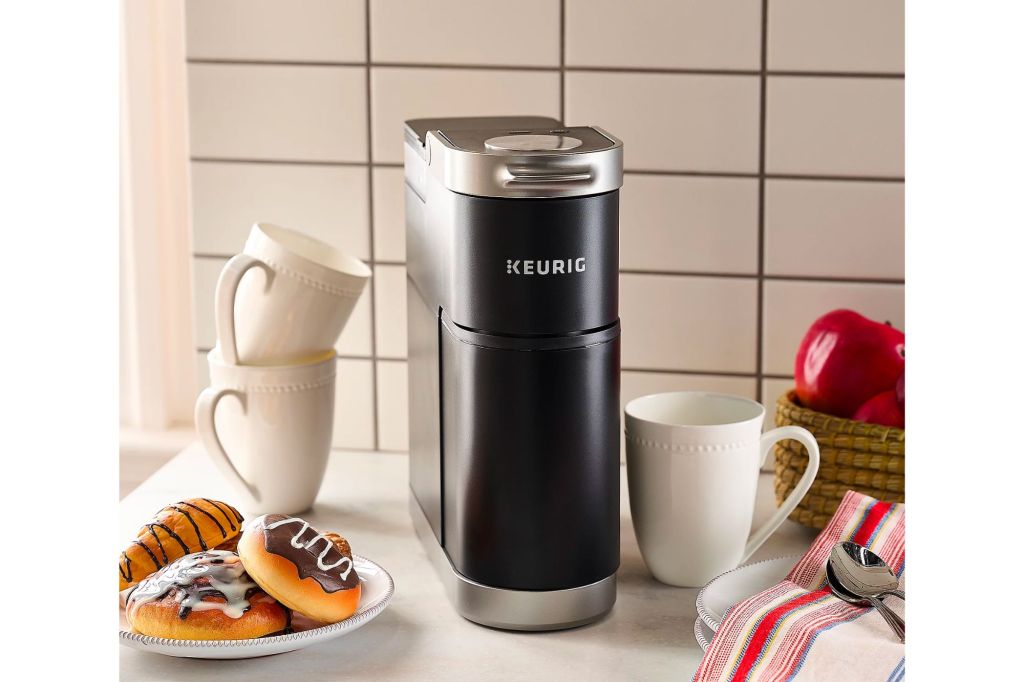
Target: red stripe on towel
pixel 764 629
pixel 867 529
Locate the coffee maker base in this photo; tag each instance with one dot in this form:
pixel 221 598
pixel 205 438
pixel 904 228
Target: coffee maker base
pixel 505 609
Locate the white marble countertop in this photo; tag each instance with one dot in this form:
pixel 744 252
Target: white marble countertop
pixel 648 635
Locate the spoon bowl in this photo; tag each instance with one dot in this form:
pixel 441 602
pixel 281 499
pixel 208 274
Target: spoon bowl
pixel 866 571
pixel 840 591
pixel 843 587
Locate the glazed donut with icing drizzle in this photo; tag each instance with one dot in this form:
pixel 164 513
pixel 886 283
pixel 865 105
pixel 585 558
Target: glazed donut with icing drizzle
pixel 206 595
pixel 308 571
pixel 193 525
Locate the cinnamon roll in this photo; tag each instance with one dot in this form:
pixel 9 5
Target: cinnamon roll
pixel 206 595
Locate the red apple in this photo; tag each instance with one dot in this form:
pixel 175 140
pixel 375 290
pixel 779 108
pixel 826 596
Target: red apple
pixel 883 409
pixel 845 359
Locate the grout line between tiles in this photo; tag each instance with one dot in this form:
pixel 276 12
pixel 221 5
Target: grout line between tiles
pixel 691 372
pixel 691 173
pixel 561 61
pixel 663 273
pixel 825 279
pixel 885 75
pixel 841 178
pixel 833 280
pixel 463 67
pixel 278 162
pixel 627 171
pixel 271 62
pixel 373 283
pixel 358 450
pixel 762 116
pixel 638 370
pixel 551 69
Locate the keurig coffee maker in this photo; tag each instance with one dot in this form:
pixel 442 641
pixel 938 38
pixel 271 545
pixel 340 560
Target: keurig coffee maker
pixel 512 255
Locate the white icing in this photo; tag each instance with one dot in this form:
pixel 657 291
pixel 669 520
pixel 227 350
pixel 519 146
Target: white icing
pixel 320 560
pixel 224 572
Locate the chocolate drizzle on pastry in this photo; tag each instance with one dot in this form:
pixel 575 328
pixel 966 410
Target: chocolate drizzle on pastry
pixel 224 516
pixel 200 582
pixel 314 555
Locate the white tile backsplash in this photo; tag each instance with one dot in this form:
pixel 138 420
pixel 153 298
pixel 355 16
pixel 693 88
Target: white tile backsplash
pixel 401 93
pixel 356 338
pixel 205 272
pixel 521 33
pixel 393 405
pixel 691 323
pixel 836 35
pixel 354 405
pixel 269 30
pixel 688 122
pixel 638 384
pixel 771 391
pixel 834 229
pixel 327 202
pixel 274 112
pixel 724 34
pixel 688 224
pixel 790 308
pixel 390 295
pixel 389 214
pixel 835 126
pixel 282 131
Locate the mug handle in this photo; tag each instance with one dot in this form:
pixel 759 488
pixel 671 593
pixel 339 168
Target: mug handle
pixel 206 425
pixel 768 441
pixel 224 308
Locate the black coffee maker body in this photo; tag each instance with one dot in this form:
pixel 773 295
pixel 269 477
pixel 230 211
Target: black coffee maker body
pixel 512 256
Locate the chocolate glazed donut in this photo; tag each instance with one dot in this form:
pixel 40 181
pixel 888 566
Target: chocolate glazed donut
pixel 304 569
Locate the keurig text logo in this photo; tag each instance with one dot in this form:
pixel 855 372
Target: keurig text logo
pixel 545 267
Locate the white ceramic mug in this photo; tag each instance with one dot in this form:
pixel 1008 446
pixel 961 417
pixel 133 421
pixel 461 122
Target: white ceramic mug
pixel 268 429
pixel 692 462
pixel 296 308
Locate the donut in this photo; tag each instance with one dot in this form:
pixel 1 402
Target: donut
pixel 206 595
pixel 305 570
pixel 178 529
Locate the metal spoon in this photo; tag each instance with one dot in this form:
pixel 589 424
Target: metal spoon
pixel 894 621
pixel 868 573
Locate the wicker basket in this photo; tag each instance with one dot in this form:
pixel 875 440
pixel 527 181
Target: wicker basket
pixel 857 456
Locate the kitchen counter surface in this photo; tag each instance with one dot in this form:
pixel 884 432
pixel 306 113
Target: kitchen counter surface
pixel 648 635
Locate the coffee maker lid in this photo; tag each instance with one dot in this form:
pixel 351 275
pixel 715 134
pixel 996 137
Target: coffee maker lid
pixel 517 156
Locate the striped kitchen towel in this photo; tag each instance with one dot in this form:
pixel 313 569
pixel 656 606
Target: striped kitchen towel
pixel 798 631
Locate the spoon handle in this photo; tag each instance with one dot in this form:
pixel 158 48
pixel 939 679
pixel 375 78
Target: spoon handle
pixel 895 622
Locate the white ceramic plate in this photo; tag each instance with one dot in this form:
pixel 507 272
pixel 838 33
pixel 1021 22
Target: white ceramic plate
pixel 732 587
pixel 377 589
pixel 703 634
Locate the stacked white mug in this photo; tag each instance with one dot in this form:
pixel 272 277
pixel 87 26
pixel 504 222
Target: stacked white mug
pixel 280 307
